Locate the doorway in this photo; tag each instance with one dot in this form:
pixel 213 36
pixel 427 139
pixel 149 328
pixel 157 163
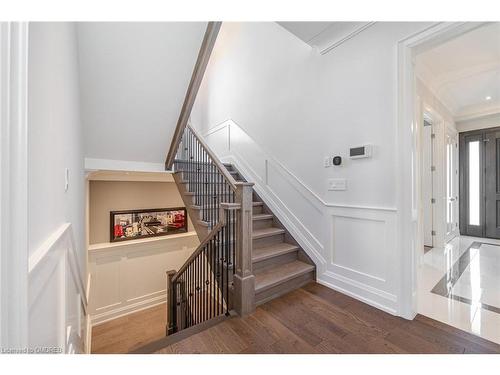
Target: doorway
pixel 427 182
pixel 457 280
pixel 452 195
pixel 480 183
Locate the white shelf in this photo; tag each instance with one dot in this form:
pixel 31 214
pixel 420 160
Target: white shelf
pixel 131 243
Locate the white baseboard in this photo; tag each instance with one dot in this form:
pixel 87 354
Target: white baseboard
pixel 88 335
pixel 354 247
pixel 365 293
pixel 128 309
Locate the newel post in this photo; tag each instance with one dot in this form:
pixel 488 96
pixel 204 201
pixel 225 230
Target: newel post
pixel 244 280
pixel 171 304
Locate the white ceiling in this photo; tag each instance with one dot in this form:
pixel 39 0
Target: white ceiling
pixel 464 71
pixel 134 78
pixel 324 35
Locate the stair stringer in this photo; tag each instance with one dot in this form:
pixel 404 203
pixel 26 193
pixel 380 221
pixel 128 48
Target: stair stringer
pixel 312 248
pixel 201 230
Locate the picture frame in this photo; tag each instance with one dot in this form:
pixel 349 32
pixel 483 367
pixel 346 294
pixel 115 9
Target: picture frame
pixel 145 223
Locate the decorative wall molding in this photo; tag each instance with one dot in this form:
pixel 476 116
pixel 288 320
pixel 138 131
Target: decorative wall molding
pixel 298 182
pixel 93 164
pixel 339 41
pixel 57 295
pixel 361 266
pixel 13 183
pixel 409 236
pixel 130 276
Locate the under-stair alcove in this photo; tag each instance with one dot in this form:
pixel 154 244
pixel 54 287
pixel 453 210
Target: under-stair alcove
pixel 127 276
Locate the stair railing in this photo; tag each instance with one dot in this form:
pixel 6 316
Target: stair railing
pixel 200 66
pixel 217 277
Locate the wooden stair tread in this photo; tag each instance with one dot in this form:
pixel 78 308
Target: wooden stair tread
pixel 270 277
pixel 213 206
pixel 207 172
pixel 262 216
pixel 266 232
pixel 267 252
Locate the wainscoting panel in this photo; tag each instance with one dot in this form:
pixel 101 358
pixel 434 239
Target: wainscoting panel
pixel 56 294
pixel 353 247
pixel 363 255
pixel 130 276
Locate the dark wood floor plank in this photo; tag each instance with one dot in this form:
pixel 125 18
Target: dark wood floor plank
pixel 312 319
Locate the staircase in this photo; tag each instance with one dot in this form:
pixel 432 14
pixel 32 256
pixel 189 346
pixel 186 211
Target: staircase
pixel 246 256
pixel 278 263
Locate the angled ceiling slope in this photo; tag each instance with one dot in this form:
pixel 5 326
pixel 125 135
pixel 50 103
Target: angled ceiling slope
pixel 133 79
pixel 465 72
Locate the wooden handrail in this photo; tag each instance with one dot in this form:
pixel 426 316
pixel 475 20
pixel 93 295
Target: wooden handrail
pixel 198 72
pixel 215 160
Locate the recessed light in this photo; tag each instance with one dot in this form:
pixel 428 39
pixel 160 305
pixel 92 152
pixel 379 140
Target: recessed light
pixel 488 97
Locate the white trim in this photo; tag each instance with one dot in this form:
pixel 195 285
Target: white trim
pixel 42 253
pixel 349 36
pixel 93 164
pixel 372 296
pixel 409 200
pixel 478 113
pixel 54 263
pixel 131 244
pixel 13 183
pixel 88 335
pixel 297 181
pixel 373 283
pixel 119 312
pixel 311 245
pixel 37 256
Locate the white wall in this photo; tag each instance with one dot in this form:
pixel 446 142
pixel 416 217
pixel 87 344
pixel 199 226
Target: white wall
pixel 134 77
pixel 298 107
pixel 490 121
pixel 55 143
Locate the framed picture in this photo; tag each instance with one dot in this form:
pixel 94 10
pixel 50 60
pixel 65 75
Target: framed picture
pixel 136 224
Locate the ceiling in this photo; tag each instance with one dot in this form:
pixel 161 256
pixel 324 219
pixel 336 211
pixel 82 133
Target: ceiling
pixel 464 73
pixel 325 35
pixel 133 80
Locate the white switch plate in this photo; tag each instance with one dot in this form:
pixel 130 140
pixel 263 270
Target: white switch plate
pixel 66 179
pixel 327 162
pixel 337 184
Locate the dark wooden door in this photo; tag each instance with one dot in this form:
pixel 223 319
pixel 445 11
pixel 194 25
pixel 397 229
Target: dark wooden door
pixel 471 184
pixel 492 184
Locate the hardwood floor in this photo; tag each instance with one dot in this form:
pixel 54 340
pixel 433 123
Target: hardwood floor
pixel 315 319
pixel 125 334
pixel 312 319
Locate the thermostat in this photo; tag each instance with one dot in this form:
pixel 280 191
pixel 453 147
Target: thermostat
pixel 364 151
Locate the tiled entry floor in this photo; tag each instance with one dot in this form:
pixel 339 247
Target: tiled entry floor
pixel 460 285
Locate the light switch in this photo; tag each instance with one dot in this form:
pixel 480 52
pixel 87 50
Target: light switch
pixel 327 162
pixel 66 179
pixel 337 184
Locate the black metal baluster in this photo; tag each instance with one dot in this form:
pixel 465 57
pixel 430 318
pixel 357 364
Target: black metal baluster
pixel 202 260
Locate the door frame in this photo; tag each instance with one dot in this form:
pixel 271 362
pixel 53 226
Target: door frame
pixel 13 184
pixel 449 130
pixel 409 202
pixel 463 189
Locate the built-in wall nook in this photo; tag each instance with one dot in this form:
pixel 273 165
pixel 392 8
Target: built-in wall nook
pixel 128 275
